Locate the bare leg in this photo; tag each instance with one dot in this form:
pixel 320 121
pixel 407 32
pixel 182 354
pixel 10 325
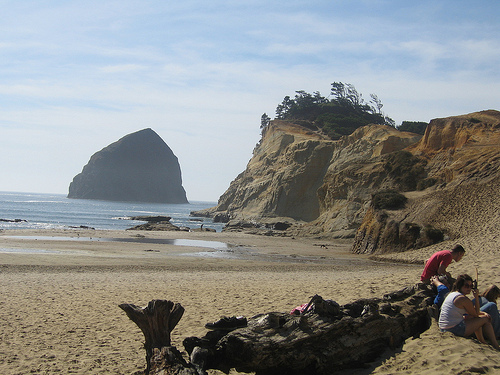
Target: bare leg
pixel 474 324
pixel 489 332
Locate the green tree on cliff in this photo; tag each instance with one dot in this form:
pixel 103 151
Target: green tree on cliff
pixel 413 126
pixel 341 115
pixel 304 106
pixel 264 120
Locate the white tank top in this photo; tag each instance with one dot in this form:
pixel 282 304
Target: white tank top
pixel 450 314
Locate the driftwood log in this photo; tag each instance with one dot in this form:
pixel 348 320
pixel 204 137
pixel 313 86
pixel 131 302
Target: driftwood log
pixel 156 321
pixel 323 340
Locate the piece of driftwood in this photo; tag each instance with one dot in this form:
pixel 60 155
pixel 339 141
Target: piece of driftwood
pixel 156 321
pixel 323 340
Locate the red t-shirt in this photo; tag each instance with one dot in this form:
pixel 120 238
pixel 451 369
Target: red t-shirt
pixel 442 257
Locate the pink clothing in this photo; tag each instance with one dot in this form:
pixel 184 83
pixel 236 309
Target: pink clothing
pixel 301 309
pixel 442 257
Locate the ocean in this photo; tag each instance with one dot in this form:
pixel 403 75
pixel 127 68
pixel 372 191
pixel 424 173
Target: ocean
pixel 47 211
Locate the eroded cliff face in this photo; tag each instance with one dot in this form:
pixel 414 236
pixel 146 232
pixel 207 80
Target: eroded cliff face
pixel 463 157
pixel 319 185
pixel 282 177
pixel 355 172
pixel 324 188
pixel 462 148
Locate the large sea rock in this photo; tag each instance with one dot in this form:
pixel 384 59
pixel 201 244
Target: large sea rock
pixel 139 167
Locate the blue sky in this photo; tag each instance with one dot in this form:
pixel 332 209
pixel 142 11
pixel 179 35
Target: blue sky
pixel 76 76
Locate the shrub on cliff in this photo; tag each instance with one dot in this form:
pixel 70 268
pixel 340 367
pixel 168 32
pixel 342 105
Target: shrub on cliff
pixel 388 200
pixel 406 169
pixel 424 184
pixel 433 235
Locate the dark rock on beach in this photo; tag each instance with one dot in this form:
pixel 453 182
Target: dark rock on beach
pixel 14 220
pixel 159 226
pixel 82 227
pixel 156 223
pixel 151 219
pixel 139 167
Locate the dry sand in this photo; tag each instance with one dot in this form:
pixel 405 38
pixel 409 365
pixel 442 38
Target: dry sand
pixel 59 303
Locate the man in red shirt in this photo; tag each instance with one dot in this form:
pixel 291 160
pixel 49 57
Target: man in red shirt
pixel 438 262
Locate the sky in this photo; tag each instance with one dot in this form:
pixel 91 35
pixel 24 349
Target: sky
pixel 76 76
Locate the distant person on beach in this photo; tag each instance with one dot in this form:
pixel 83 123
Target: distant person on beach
pixel 459 316
pixel 436 265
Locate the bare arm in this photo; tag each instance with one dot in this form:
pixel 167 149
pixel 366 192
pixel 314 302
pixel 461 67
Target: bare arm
pixel 442 269
pixel 464 303
pixel 477 304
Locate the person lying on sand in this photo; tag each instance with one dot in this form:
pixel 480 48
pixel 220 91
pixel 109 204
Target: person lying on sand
pixel 436 265
pixel 458 314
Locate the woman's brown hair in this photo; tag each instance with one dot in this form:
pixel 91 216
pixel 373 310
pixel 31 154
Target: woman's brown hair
pixel 460 281
pixel 492 293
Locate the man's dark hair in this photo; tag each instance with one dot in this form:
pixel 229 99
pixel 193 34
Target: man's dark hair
pixel 458 249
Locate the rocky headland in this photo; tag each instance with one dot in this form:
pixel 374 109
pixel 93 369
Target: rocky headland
pixel 301 183
pixel 139 167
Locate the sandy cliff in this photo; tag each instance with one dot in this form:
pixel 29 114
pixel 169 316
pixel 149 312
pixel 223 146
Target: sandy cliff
pixel 462 148
pixel 324 188
pixel 462 155
pixel 301 176
pixel 281 178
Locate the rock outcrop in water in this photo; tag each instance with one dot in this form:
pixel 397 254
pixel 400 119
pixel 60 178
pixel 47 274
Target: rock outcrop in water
pixel 139 167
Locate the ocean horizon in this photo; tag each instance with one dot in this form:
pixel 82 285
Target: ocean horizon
pixel 19 210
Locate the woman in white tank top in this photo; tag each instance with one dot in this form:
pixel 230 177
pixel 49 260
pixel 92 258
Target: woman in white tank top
pixel 458 314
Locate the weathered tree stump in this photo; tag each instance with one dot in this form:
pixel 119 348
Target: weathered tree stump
pixel 326 339
pixel 156 321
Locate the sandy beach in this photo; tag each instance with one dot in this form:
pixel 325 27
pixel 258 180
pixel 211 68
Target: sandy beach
pixel 61 290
